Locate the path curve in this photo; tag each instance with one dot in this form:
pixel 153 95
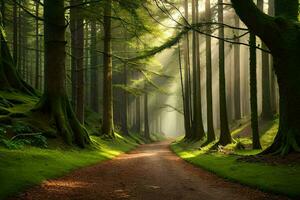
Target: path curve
pixel 151 172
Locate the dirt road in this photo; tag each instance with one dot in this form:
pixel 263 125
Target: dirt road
pixel 151 172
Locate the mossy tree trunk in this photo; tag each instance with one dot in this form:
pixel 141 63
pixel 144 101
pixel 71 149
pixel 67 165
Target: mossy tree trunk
pixel 107 127
pixel 282 36
pixel 54 101
pixel 9 77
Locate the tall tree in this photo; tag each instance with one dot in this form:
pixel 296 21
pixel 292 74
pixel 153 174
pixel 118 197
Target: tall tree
pixel 253 92
pixel 9 77
pixel 282 36
pixel 94 69
pixel 198 130
pixel 187 79
pixel 107 127
pixel 77 45
pixel 209 94
pixel 146 118
pixel 15 32
pixel 237 73
pixel 225 137
pixel 37 45
pixel 54 101
pixel 266 87
pixel 273 83
pixel 124 107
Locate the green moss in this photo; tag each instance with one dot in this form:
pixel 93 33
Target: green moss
pixel 280 179
pixel 20 169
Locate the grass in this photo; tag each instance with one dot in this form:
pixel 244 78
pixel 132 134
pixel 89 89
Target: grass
pixel 278 179
pixel 23 168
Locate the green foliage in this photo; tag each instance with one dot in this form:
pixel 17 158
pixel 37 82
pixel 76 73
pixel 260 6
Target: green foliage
pixel 20 128
pixel 14 144
pixel 2 132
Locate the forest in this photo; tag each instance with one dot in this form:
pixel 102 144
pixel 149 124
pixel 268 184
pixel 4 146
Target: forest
pixel 149 99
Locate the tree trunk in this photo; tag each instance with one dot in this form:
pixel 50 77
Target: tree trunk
pixel 15 33
pixel 225 137
pixel 94 69
pixel 138 114
pixel 253 93
pixel 9 77
pixel 273 81
pixel 146 118
pixel 237 74
pixel 107 127
pixel 266 98
pixel 197 122
pixel 77 45
pixel 209 94
pixel 185 114
pixel 37 45
pixel 187 79
pixel 54 101
pixel 282 36
pixel 124 114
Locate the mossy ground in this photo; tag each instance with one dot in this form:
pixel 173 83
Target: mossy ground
pixel 22 168
pixel 279 178
pixel 26 166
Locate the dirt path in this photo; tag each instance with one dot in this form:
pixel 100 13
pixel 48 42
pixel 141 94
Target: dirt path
pixel 151 172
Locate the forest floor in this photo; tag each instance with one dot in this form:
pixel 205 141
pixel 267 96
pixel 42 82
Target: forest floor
pixel 152 171
pixel 276 174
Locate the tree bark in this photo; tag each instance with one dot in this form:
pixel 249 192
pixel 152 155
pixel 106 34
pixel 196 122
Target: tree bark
pixel 146 118
pixel 9 77
pixel 187 79
pixel 282 36
pixel 266 93
pixel 94 69
pixel 54 102
pixel 225 137
pixel 107 127
pixel 15 32
pixel 37 45
pixel 124 114
pixel 253 93
pixel 209 94
pixel 77 43
pixel 237 74
pixel 197 121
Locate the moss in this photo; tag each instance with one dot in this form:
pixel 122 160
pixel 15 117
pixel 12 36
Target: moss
pixel 279 179
pixel 20 169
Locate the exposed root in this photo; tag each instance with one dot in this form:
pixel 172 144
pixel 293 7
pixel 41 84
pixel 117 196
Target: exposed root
pixel 67 125
pixel 284 143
